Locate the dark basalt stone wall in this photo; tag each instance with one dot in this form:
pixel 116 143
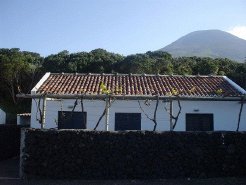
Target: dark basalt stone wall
pixel 79 154
pixel 9 141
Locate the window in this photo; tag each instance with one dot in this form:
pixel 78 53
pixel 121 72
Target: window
pixel 199 122
pixel 71 120
pixel 127 121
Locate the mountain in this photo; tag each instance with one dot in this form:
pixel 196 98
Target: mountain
pixel 209 43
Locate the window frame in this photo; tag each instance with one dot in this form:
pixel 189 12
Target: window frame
pixel 210 117
pixel 75 112
pixel 139 118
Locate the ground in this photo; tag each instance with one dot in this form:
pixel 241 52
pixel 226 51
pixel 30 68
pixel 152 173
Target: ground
pixel 9 175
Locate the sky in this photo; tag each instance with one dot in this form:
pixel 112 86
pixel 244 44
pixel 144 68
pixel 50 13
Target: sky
pixel 119 26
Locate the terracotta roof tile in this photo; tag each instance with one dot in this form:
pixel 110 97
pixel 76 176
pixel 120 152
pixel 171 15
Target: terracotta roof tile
pixel 133 84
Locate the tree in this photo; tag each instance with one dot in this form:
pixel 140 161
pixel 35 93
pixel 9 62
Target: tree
pixel 102 61
pixel 96 61
pixel 57 63
pixel 18 74
pixel 150 63
pixel 239 75
pixel 207 66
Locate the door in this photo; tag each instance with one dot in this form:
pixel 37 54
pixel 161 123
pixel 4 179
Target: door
pixel 71 120
pixel 199 122
pixel 127 121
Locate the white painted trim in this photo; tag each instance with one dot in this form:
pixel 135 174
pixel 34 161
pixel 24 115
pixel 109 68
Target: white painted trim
pixel 43 79
pixel 240 89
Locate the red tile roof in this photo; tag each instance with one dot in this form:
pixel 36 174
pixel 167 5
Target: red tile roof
pixel 133 84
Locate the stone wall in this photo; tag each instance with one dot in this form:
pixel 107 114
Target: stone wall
pixel 132 155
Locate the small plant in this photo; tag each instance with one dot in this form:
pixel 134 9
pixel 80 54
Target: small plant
pixel 192 90
pixel 104 89
pixel 174 91
pixel 118 89
pixel 219 91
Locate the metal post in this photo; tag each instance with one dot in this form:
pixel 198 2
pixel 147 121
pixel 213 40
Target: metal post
pixel 43 113
pixel 107 114
pixel 171 114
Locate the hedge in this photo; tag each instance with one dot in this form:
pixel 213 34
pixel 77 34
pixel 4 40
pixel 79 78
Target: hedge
pixel 79 154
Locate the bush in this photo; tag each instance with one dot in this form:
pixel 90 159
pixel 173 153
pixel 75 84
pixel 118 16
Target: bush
pixel 132 155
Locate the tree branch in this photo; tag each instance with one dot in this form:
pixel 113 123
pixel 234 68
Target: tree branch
pixel 12 92
pixel 156 106
pixel 74 106
pixel 154 118
pixel 38 110
pixel 103 114
pixel 144 111
pixel 32 78
pixel 100 118
pixel 177 117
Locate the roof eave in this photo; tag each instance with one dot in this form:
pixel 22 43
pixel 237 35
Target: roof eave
pixel 41 81
pixel 236 86
pixel 132 97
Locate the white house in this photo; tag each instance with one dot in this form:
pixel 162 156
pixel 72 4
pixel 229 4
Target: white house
pixel 2 117
pixel 135 102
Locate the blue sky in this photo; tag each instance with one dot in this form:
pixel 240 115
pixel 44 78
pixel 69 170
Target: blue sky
pixel 120 26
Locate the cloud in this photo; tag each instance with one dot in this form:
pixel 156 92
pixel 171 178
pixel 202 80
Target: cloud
pixel 239 31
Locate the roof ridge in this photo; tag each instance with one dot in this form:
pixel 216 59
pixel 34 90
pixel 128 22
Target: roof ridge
pixel 137 74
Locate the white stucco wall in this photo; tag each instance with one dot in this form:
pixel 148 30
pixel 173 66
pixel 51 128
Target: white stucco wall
pixel 225 113
pixel 2 117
